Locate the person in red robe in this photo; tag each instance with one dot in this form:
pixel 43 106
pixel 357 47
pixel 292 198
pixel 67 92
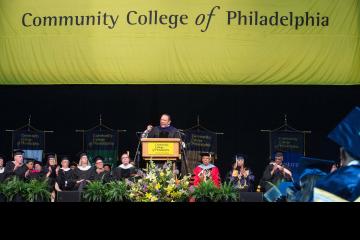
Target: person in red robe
pixel 206 171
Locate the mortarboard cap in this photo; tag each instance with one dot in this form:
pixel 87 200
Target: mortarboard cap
pixel 82 154
pixel 37 162
pixel 65 157
pixel 240 156
pixel 347 133
pixel 208 154
pixel 98 158
pixel 279 154
pixel 27 160
pixel 73 164
pixel 50 155
pixel 18 152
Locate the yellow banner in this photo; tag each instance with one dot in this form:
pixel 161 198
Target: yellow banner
pixel 160 148
pixel 180 42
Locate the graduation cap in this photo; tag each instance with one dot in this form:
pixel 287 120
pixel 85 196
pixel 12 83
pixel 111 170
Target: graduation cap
pixel 312 166
pixel 37 162
pixel 107 164
pixel 50 155
pixel 208 154
pixel 27 160
pixel 240 156
pixel 73 164
pixel 279 153
pixel 82 154
pixel 98 158
pixel 65 157
pixel 347 133
pixel 17 152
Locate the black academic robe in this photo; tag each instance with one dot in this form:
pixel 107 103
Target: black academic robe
pixel 121 173
pixel 52 176
pixel 167 132
pixel 19 172
pixel 275 179
pixel 82 174
pixel 103 176
pixel 66 179
pixel 2 175
pixel 36 176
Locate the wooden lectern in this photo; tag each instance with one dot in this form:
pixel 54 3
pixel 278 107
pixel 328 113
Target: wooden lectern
pixel 166 149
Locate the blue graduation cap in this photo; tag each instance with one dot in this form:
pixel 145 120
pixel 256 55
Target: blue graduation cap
pixel 347 133
pixel 309 165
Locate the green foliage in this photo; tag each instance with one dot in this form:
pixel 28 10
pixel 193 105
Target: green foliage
pixel 37 190
pixel 206 191
pixel 116 192
pixel 228 193
pixel 13 187
pixel 94 192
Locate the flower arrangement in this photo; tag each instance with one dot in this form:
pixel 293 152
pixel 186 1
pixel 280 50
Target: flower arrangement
pixel 160 184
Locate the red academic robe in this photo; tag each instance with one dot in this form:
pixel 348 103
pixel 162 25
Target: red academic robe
pixel 215 175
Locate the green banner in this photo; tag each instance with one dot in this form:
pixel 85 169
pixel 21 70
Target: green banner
pixel 180 42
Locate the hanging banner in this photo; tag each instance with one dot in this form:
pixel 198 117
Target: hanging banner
pixel 102 143
pixel 198 141
pixel 31 142
pixel 180 42
pixel 292 145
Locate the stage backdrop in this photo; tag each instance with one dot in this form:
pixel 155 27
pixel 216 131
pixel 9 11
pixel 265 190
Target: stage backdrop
pixel 180 42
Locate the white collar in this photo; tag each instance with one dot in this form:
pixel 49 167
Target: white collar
pixel 126 166
pixel 203 166
pixel 353 162
pixel 84 168
pixel 2 170
pixel 65 169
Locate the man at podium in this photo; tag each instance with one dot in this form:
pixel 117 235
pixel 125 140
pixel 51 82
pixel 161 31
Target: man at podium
pixel 164 130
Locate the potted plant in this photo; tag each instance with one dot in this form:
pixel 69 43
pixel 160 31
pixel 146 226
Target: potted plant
pixel 159 184
pixel 228 193
pixel 116 191
pixel 94 192
pixel 2 196
pixel 14 190
pixel 206 191
pixel 37 191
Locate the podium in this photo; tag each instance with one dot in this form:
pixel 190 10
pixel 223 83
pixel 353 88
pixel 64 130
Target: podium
pixel 165 149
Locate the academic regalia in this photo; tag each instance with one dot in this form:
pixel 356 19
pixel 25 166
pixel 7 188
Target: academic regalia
pixel 103 176
pixel 123 172
pixel 66 179
pixel 244 184
pixel 19 172
pixel 309 172
pixel 34 174
pixel 276 178
pixel 82 173
pixel 345 181
pixel 211 171
pixel 2 174
pixel 166 132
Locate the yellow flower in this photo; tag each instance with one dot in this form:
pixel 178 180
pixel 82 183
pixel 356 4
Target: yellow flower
pixel 148 195
pixel 157 187
pixel 153 199
pixel 162 174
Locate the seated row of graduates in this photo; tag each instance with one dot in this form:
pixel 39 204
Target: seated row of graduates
pixel 66 177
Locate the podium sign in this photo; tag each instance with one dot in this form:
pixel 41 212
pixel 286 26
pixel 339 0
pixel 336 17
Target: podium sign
pixel 160 148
